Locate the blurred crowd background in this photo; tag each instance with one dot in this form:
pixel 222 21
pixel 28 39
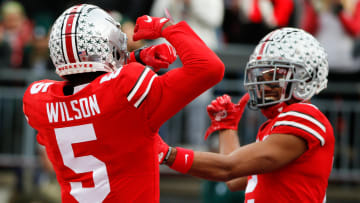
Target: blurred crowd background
pixel 231 28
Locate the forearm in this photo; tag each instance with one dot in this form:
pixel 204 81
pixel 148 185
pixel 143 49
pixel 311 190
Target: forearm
pixel 210 166
pixel 228 141
pixel 201 70
pixel 237 184
pixel 206 165
pixel 255 158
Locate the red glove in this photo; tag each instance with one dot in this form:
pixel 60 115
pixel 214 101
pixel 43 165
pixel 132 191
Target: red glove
pixel 148 27
pixel 163 150
pixel 157 56
pixel 224 114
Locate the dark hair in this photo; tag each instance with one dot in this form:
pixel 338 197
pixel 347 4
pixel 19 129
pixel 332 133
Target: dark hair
pixel 82 78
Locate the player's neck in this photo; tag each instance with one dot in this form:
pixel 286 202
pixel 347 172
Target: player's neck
pixel 79 80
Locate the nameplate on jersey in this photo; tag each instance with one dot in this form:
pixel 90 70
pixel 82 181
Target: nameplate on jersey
pixel 72 110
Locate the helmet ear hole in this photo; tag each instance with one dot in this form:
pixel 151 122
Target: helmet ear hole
pixel 116 54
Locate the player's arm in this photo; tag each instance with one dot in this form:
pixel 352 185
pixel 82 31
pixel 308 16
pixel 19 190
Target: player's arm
pixel 225 117
pixel 271 154
pixel 229 142
pixel 201 69
pixel 156 56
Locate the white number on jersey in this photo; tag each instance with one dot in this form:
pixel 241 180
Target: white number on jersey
pixel 40 86
pixel 67 136
pixel 251 185
pixel 110 76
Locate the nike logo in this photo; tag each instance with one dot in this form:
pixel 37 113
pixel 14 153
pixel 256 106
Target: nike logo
pixel 186 158
pixel 163 20
pixel 148 19
pixel 161 155
pixel 220 115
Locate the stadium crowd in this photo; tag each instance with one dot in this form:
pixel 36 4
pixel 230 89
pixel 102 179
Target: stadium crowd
pixel 25 30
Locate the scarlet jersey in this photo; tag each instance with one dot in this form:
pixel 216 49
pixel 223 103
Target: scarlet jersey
pixel 100 140
pixel 306 178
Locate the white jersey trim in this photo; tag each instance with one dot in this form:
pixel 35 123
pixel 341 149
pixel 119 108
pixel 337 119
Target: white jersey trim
pixel 138 84
pixel 302 127
pixel 312 105
pixel 143 96
pixel 304 116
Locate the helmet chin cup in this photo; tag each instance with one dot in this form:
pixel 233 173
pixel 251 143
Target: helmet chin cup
pixel 85 38
pixel 289 60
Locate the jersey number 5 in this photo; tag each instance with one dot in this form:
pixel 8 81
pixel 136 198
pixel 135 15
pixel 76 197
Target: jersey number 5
pixel 67 136
pixel 251 185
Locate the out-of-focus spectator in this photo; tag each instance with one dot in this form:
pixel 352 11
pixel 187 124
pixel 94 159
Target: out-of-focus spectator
pixel 4 50
pixel 39 57
pixel 205 17
pixel 127 26
pixel 49 188
pixel 130 8
pixel 246 21
pixel 336 24
pixel 17 32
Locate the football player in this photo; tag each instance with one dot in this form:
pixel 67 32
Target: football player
pixel 99 125
pixel 292 157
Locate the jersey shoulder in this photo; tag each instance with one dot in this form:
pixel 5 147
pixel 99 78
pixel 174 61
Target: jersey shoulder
pixel 34 97
pixel 40 86
pixel 304 120
pixel 134 81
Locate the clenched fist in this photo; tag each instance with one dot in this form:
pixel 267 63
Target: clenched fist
pixel 148 27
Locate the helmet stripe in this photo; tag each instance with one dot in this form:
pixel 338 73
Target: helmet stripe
pixel 264 44
pixel 69 30
pixel 75 34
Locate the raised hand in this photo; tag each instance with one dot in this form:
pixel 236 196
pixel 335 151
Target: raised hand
pixel 224 114
pixel 158 56
pixel 148 27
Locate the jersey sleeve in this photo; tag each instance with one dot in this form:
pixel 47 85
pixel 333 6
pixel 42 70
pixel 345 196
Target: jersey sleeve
pixel 141 86
pixel 170 92
pixel 30 100
pixel 158 98
pixel 303 120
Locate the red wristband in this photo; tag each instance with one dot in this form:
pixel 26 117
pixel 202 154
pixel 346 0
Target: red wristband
pixel 183 160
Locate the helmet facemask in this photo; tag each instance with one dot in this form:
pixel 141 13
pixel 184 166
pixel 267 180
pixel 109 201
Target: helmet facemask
pixel 269 83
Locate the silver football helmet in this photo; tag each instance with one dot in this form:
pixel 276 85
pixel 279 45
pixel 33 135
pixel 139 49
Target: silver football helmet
pixel 287 63
pixel 85 38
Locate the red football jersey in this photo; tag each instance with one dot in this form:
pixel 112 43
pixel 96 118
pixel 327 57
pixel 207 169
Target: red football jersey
pixel 306 178
pixel 100 140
